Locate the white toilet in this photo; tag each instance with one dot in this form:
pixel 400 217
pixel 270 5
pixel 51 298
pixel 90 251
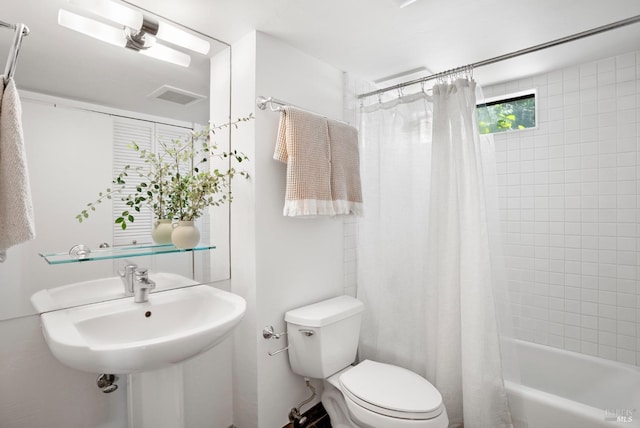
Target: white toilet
pixel 323 340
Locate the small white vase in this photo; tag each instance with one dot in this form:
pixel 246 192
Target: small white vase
pixel 185 235
pixel 162 230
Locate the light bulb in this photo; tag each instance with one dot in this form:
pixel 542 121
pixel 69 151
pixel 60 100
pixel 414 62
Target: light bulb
pixel 133 19
pixel 112 11
pixel 92 28
pixel 165 53
pixel 178 37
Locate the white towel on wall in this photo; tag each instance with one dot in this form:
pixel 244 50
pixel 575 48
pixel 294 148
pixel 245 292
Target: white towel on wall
pixel 303 144
pixel 323 164
pixel 16 206
pixel 346 190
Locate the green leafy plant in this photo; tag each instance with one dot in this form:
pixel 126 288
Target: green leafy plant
pixel 505 116
pixel 177 181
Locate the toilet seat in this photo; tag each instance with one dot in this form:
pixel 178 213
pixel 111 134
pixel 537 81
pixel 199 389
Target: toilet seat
pixel 391 391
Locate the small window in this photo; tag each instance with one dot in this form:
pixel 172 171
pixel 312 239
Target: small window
pixel 507 113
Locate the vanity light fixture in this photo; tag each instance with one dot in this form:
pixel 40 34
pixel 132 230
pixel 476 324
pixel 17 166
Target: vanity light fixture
pixel 92 28
pixel 112 11
pixel 122 26
pixel 136 20
pixel 139 41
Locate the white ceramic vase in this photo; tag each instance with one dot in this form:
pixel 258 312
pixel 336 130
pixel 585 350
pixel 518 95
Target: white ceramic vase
pixel 185 235
pixel 162 230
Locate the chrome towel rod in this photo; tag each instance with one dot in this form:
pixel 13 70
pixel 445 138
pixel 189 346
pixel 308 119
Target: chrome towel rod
pixel 25 30
pixel 20 30
pixel 263 102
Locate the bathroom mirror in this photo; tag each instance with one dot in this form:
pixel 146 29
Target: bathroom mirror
pixel 77 94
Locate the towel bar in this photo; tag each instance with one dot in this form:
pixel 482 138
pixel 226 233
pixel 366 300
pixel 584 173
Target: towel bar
pixel 263 102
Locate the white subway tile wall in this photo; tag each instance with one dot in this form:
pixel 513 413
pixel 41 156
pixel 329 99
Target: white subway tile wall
pixel 569 207
pixel 351 113
pixel 350 255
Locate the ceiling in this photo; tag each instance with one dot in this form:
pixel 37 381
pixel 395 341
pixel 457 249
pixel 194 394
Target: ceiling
pixel 371 39
pixel 375 38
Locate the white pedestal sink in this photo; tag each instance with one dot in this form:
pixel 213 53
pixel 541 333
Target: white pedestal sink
pixel 156 399
pixel 145 341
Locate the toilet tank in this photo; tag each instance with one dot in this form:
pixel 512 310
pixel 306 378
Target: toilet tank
pixel 323 337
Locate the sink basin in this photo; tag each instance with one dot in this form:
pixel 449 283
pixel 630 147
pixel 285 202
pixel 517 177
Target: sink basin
pixel 98 290
pixel 122 337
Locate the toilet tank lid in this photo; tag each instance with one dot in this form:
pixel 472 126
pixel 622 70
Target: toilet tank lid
pixel 325 312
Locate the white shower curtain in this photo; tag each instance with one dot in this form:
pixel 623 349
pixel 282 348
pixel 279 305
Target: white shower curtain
pixel 425 267
pixel 392 235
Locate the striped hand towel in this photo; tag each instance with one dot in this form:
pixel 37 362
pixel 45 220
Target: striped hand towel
pixel 346 191
pixel 303 144
pixel 323 167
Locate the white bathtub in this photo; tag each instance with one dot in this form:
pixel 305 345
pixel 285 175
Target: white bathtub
pixel 563 389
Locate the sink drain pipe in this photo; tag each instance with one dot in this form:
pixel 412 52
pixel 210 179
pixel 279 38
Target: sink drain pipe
pixel 106 382
pixel 295 415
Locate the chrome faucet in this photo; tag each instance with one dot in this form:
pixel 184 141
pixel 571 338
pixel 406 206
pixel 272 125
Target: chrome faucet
pixel 142 285
pixel 126 275
pixel 136 282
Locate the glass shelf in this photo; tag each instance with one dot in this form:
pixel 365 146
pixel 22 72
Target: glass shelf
pixel 117 253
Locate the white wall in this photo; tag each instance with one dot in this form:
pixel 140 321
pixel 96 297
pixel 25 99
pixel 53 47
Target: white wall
pixel 569 205
pixel 278 263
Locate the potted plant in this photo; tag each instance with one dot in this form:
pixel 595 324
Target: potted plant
pixel 177 183
pixel 195 184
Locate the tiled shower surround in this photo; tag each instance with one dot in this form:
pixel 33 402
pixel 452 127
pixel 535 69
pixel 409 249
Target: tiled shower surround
pixel 569 205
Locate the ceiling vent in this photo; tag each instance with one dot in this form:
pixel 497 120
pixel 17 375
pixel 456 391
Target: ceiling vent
pixel 175 95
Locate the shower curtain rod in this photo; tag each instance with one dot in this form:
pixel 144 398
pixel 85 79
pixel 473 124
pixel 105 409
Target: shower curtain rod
pixel 20 30
pixel 567 39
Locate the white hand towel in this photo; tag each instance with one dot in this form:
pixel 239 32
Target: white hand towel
pixel 346 191
pixel 303 144
pixel 16 206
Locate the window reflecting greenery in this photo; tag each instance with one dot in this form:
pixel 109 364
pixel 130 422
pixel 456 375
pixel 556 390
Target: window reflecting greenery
pixel 507 114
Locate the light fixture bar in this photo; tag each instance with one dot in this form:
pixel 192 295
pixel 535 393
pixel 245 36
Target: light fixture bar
pixel 116 36
pixel 112 11
pixel 136 20
pixel 178 37
pixel 165 53
pixel 92 28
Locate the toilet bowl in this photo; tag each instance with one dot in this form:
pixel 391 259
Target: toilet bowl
pixel 380 395
pixel 323 340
